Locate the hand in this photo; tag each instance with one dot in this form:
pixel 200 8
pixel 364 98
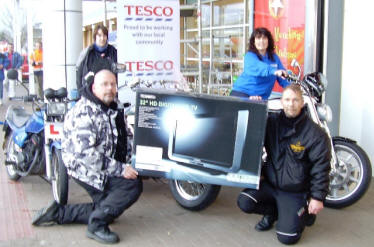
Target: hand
pixel 1 66
pixel 130 172
pixel 281 73
pixel 255 97
pixel 315 206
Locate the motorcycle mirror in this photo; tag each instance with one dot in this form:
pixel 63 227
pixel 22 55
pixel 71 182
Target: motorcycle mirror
pixel 127 104
pixel 295 63
pixel 118 67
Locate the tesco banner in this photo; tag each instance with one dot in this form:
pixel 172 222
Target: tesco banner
pixel 148 40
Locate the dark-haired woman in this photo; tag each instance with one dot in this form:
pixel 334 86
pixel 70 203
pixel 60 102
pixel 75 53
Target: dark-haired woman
pixel 262 67
pixel 100 49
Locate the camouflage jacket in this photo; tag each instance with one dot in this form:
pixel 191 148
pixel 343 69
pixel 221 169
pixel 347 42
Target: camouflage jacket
pixel 89 143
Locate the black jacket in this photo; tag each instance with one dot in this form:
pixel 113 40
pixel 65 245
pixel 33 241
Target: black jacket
pixel 299 154
pixel 87 59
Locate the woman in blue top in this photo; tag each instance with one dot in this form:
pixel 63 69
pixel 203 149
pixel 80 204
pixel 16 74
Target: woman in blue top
pixel 261 68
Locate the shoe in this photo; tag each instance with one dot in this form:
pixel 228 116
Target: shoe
pixel 1 102
pixel 104 236
pixel 309 219
pixel 266 223
pixel 46 216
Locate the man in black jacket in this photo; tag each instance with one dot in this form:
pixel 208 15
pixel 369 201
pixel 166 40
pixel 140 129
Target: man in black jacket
pixel 296 173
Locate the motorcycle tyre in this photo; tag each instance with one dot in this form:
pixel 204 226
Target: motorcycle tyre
pixel 10 169
pixel 60 178
pixel 366 176
pixel 202 201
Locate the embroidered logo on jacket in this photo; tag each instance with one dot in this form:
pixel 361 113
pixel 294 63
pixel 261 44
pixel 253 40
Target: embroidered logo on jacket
pixel 297 148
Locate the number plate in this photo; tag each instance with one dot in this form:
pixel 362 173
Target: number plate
pixel 53 130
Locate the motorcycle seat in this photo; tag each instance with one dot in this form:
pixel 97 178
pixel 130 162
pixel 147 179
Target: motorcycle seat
pixel 18 117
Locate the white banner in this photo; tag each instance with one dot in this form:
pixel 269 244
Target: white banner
pixel 148 39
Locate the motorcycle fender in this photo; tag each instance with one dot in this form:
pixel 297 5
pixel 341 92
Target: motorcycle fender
pixel 35 124
pixel 55 145
pixel 341 138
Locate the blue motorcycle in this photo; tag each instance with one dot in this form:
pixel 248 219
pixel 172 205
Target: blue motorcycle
pixel 32 142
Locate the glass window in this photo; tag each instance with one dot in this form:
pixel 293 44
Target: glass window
pixel 228 12
pixel 225 61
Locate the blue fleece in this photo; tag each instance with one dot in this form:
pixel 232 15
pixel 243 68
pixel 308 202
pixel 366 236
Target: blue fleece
pixel 258 76
pixel 5 62
pixel 17 60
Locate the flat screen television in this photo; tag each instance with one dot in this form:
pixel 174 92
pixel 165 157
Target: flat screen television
pixel 216 142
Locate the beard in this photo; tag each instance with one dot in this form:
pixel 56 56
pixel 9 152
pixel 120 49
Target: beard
pixel 108 98
pixel 291 112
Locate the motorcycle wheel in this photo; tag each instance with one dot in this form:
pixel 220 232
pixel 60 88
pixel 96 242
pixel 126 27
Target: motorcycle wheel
pixel 10 169
pixel 352 176
pixel 193 196
pixel 60 178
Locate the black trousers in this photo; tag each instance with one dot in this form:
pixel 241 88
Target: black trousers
pixel 289 208
pixel 118 195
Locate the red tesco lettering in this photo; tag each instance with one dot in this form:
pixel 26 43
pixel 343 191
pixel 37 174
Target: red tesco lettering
pixel 150 65
pixel 158 11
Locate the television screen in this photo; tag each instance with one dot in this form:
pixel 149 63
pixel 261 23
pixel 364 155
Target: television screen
pixel 210 141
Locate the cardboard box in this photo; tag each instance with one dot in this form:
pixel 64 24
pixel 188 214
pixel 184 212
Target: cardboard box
pixel 201 138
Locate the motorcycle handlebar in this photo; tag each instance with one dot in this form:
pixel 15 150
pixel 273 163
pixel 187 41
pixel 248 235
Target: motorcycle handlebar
pixel 292 78
pixel 29 98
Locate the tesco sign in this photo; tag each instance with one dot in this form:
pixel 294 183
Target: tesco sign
pixel 148 39
pixel 150 65
pixel 139 10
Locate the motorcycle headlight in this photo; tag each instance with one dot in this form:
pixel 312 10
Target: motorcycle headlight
pixel 56 108
pixel 324 112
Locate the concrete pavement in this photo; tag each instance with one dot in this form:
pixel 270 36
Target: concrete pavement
pixel 156 219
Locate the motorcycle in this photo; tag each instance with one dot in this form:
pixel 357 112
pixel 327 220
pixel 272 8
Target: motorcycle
pixel 32 142
pixel 351 171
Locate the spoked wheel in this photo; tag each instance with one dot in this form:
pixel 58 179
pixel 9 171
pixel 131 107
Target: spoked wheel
pixel 10 150
pixel 193 196
pixel 351 177
pixel 60 179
